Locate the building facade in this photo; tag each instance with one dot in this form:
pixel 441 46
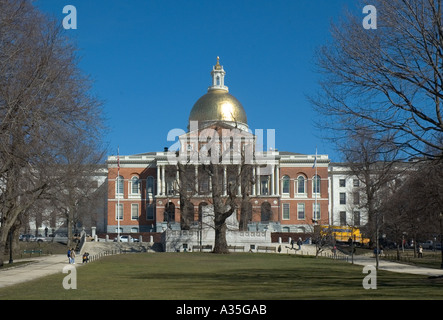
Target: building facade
pixel 287 191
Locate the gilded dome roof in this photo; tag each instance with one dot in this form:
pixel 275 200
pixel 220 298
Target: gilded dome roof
pixel 218 105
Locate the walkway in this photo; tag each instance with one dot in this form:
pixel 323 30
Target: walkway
pixel 40 267
pixel 397 267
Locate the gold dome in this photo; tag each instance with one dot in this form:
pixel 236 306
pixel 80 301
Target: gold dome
pixel 218 105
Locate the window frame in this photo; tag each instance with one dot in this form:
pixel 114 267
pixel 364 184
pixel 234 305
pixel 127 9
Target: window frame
pixel 132 211
pixel 316 184
pixel 117 212
pixel 299 211
pixel 286 180
pixel 301 185
pixel 286 210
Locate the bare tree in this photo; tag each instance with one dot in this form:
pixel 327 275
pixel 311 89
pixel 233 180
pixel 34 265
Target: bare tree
pixel 413 208
pixel 44 103
pixel 388 80
pixel 226 197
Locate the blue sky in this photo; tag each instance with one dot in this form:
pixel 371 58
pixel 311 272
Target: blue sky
pixel 151 60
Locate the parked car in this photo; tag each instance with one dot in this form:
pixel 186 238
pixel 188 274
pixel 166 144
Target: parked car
pixel 25 237
pixel 427 244
pixel 431 245
pixel 126 239
pixel 31 237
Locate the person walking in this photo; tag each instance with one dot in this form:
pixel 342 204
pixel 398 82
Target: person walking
pixel 72 256
pixel 299 243
pixel 420 252
pixel 69 256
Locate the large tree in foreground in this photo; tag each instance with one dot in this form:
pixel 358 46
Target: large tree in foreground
pixel 388 80
pixel 45 106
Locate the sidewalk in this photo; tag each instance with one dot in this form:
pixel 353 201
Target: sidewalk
pixel 40 267
pixel 397 267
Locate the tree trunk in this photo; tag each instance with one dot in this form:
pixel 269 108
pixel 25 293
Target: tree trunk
pixel 220 243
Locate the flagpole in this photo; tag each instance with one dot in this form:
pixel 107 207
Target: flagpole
pixel 316 182
pixel 118 194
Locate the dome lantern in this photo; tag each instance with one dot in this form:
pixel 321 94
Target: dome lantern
pixel 218 77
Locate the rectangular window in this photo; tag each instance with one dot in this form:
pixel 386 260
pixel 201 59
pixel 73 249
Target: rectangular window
pixel 150 185
pixel 342 198
pixel 134 211
pixel 356 182
pixel 119 211
pixel 150 212
pixel 356 218
pixel 356 196
pixel 301 211
pixel 285 211
pixel 342 183
pixel 342 218
pixel 264 186
pixel 316 210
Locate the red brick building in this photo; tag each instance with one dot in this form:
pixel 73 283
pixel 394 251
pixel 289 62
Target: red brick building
pixel 288 192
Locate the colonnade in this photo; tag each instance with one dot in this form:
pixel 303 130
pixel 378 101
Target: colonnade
pixel 266 183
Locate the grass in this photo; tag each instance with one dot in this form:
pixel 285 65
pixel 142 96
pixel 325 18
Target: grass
pixel 205 276
pixel 430 259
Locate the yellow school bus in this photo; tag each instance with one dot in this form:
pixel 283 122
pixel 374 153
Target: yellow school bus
pixel 343 233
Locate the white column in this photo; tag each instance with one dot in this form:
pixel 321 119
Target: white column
pixel 272 181
pixel 159 181
pixel 177 180
pixel 225 181
pixel 196 179
pixel 254 187
pixel 239 181
pixel 163 180
pixel 258 181
pixel 277 174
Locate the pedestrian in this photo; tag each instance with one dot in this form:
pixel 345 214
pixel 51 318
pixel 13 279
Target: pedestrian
pixel 420 252
pixel 72 256
pixel 279 249
pixel 299 243
pixel 69 256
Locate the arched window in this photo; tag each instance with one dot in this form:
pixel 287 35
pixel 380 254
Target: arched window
pixel 119 185
pixel 285 189
pixel 301 185
pixel 316 181
pixel 135 185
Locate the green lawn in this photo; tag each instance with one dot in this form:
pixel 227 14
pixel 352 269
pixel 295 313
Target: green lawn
pixel 200 276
